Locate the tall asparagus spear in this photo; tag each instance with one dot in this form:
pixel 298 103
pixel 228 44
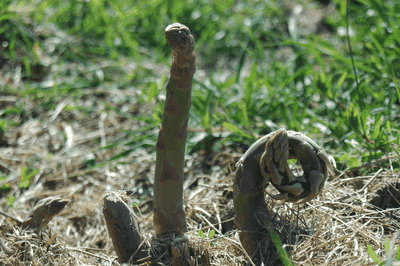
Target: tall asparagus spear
pixel 169 216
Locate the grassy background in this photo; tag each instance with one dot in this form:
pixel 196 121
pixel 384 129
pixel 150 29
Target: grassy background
pixel 258 68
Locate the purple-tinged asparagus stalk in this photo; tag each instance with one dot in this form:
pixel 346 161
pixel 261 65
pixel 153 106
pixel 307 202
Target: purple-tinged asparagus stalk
pixel 169 215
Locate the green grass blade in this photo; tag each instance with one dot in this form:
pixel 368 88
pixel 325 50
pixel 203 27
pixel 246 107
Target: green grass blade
pixel 373 255
pixel 283 255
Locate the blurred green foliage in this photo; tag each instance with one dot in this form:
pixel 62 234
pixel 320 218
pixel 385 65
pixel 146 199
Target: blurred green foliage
pixel 11 200
pixel 25 177
pixel 256 72
pixel 283 255
pixel 389 255
pixel 5 186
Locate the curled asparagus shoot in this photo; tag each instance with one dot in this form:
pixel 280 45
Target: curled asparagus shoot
pixel 169 216
pixel 266 162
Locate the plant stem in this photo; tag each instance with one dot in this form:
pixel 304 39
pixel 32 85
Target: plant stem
pixel 169 216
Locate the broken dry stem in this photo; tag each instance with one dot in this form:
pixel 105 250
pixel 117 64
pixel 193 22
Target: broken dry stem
pixel 43 212
pixel 123 228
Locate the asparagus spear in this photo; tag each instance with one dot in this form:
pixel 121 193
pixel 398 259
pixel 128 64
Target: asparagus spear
pixel 169 215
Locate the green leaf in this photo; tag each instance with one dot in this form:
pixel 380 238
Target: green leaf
pixel 235 129
pixel 152 91
pixel 377 127
pixel 398 253
pixel 5 187
pixel 352 161
pixel 378 45
pixel 121 154
pixel 340 81
pixel 6 16
pixel 373 255
pixel 25 177
pixel 387 245
pixel 11 200
pixel 24 181
pixel 211 234
pixel 281 251
pixel 200 233
pixel 3 124
pixel 398 91
pixel 205 121
pixel 27 66
pixel 245 117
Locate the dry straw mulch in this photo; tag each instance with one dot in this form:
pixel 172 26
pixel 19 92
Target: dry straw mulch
pixel 334 229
